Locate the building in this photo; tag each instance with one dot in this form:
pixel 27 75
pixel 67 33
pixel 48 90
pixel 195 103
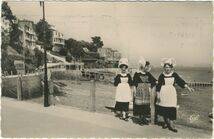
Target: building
pixel 28 36
pixel 116 55
pixel 58 40
pixel 109 54
pixel 60 66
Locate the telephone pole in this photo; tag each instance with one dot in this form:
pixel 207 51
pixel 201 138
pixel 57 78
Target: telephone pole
pixel 46 90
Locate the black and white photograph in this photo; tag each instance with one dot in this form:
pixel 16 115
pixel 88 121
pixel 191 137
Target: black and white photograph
pixel 106 69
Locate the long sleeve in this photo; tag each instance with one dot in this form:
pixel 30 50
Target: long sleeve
pixel 152 80
pixel 160 83
pixel 135 79
pixel 179 80
pixel 117 80
pixel 130 81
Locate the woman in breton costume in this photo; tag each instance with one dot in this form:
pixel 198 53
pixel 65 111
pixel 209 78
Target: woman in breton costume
pixel 166 93
pixel 123 81
pixel 144 82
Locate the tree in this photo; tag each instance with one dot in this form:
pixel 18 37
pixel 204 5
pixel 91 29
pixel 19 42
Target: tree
pixel 14 34
pixel 75 47
pixel 4 40
pixel 39 58
pixel 12 39
pixel 7 63
pixel 70 43
pixel 85 44
pixel 77 51
pixel 63 51
pixel 43 27
pixel 7 13
pixel 15 42
pixel 96 43
pixel 68 57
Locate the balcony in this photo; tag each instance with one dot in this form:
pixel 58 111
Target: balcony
pixel 58 43
pixel 30 39
pixel 31 32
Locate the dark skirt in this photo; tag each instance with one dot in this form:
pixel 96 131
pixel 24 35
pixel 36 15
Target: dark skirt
pixel 122 106
pixel 168 112
pixel 141 110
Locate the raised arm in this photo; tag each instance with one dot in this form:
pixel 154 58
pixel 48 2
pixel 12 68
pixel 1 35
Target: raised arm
pixel 182 83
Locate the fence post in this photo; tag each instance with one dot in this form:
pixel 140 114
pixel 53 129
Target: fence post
pixel 19 88
pixel 152 104
pixel 93 95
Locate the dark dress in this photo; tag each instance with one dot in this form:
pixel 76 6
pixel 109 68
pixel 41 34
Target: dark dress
pixel 143 82
pixel 168 95
pixel 123 91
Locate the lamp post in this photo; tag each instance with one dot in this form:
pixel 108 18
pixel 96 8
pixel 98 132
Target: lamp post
pixel 46 90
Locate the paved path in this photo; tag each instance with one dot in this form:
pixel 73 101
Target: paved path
pixel 27 119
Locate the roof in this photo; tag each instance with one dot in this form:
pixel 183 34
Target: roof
pixel 14 53
pixel 89 59
pixel 60 63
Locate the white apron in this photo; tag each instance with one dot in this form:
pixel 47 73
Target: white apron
pixel 123 91
pixel 168 95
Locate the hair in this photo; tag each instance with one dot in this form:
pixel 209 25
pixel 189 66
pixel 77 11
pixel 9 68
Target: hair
pixel 123 65
pixel 147 63
pixel 171 66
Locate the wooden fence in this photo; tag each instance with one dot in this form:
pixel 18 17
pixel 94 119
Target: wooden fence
pixel 200 84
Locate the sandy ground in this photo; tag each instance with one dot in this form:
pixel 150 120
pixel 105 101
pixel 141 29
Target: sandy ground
pixel 27 119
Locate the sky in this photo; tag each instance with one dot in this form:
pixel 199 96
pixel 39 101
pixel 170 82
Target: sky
pixel 154 30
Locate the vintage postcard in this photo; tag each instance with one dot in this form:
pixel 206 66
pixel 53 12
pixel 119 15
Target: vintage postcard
pixel 123 69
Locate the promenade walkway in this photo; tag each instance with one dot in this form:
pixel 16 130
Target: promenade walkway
pixel 27 119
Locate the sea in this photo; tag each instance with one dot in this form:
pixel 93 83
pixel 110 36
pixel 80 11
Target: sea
pixel 204 74
pixel 189 74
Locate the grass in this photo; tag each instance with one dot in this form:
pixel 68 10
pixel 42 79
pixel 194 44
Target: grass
pixel 193 111
pixel 195 107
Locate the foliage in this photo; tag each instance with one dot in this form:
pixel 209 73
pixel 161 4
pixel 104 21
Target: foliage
pixel 100 63
pixel 39 58
pixel 7 13
pixel 30 59
pixel 4 40
pixel 7 63
pixel 75 48
pixel 11 39
pixel 96 43
pixel 63 51
pixel 70 43
pixel 43 28
pixel 68 57
pixel 15 41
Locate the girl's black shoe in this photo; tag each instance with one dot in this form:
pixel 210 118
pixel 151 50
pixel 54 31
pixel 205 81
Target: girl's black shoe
pixel 145 122
pixel 125 119
pixel 164 126
pixel 173 129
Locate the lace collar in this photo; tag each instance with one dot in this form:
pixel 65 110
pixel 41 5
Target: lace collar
pixel 170 74
pixel 123 74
